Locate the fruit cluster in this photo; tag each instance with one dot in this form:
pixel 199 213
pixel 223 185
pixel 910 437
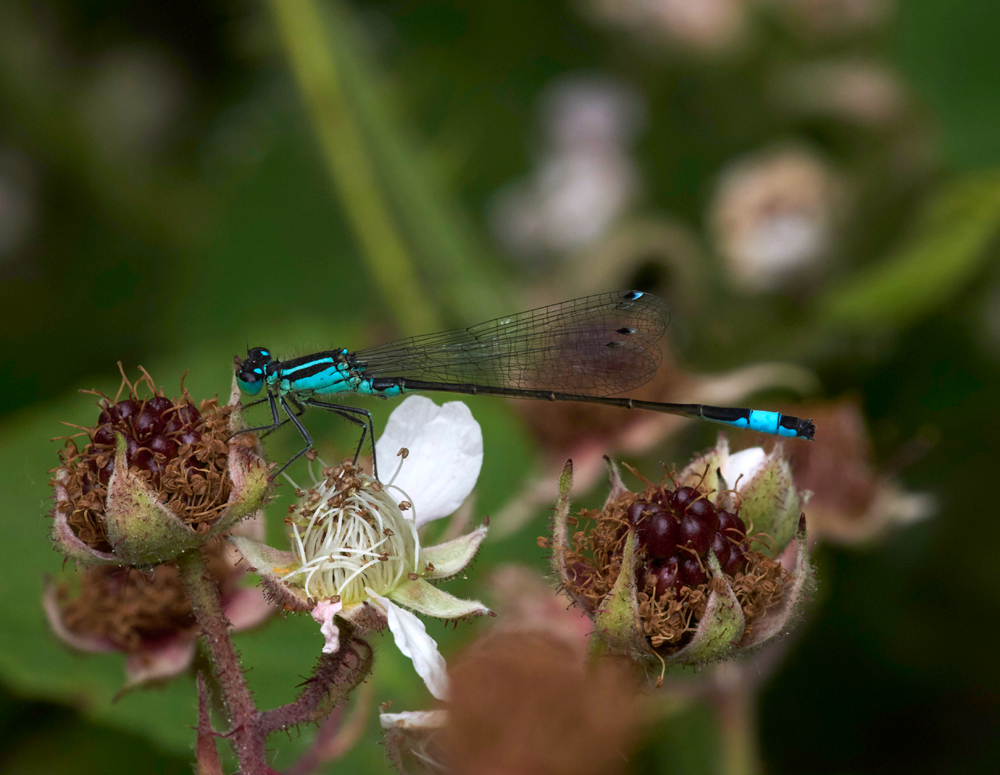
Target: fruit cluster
pixel 676 529
pixel 154 430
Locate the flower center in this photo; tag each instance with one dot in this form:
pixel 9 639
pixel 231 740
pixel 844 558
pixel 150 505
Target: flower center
pixel 350 534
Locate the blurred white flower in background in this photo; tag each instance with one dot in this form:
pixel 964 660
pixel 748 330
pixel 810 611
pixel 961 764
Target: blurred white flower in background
pixel 702 26
pixel 132 100
pixel 773 216
pixel 585 178
pixel 860 92
pixel 832 17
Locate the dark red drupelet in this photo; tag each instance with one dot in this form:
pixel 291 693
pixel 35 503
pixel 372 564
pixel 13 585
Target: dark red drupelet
pixel 154 430
pixel 677 530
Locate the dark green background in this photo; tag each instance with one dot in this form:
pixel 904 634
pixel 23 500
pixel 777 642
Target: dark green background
pixel 173 257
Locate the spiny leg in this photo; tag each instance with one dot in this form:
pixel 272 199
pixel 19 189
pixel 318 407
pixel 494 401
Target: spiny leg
pixel 356 421
pixel 340 409
pixel 302 430
pixel 274 418
pixel 299 409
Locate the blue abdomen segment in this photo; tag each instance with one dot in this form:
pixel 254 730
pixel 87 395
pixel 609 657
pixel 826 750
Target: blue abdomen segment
pixel 773 423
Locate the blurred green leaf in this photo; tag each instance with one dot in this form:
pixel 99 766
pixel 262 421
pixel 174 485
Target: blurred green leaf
pixel 279 656
pixel 951 246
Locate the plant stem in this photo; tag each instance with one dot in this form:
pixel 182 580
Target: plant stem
pixel 204 595
pixel 349 163
pixel 736 710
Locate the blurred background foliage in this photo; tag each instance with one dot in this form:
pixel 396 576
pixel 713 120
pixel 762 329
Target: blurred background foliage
pixel 807 181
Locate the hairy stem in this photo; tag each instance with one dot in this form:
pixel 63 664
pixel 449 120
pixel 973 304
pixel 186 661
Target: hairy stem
pixel 203 592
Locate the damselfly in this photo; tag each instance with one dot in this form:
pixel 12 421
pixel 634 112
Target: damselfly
pixel 585 350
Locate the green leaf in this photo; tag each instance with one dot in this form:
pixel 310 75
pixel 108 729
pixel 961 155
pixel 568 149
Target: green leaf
pixel 944 256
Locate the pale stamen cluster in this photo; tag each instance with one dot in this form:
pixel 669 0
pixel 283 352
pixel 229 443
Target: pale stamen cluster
pixel 349 535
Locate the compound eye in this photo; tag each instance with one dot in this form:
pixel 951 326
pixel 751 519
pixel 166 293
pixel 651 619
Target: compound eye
pixel 250 382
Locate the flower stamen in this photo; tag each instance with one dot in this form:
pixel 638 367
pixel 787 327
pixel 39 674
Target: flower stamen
pixel 355 536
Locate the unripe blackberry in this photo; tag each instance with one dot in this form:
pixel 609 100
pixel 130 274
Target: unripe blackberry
pixel 154 431
pixel 180 454
pixel 731 525
pixel 736 561
pixel 662 535
pixel 703 511
pixel 637 512
pixel 711 596
pixel 682 496
pixel 721 547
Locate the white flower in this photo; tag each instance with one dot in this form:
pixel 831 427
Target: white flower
pixel 739 468
pixel 412 737
pixel 774 217
pixel 357 556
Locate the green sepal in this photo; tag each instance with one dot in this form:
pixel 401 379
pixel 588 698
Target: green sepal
pixel 560 535
pixel 719 629
pixel 451 557
pixel 272 565
pixel 777 619
pixel 770 503
pixel 425 598
pixel 67 542
pixel 142 530
pixel 618 623
pixel 703 472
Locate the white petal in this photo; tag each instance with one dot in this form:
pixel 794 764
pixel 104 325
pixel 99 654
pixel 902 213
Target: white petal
pixel 412 639
pixel 323 613
pixel 743 464
pixel 446 453
pixel 414 719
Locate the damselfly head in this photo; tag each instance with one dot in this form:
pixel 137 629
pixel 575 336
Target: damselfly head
pixel 253 370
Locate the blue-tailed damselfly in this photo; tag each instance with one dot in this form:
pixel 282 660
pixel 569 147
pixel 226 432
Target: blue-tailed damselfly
pixel 585 350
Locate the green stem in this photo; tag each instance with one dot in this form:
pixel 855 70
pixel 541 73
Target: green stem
pixel 349 163
pixel 736 708
pixel 204 595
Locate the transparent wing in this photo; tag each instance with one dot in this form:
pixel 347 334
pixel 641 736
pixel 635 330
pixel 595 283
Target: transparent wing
pixel 600 345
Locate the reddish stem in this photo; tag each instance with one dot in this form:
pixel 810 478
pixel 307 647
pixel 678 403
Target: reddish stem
pixel 203 592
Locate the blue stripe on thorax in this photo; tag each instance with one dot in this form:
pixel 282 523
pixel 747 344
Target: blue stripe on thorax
pixel 332 379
